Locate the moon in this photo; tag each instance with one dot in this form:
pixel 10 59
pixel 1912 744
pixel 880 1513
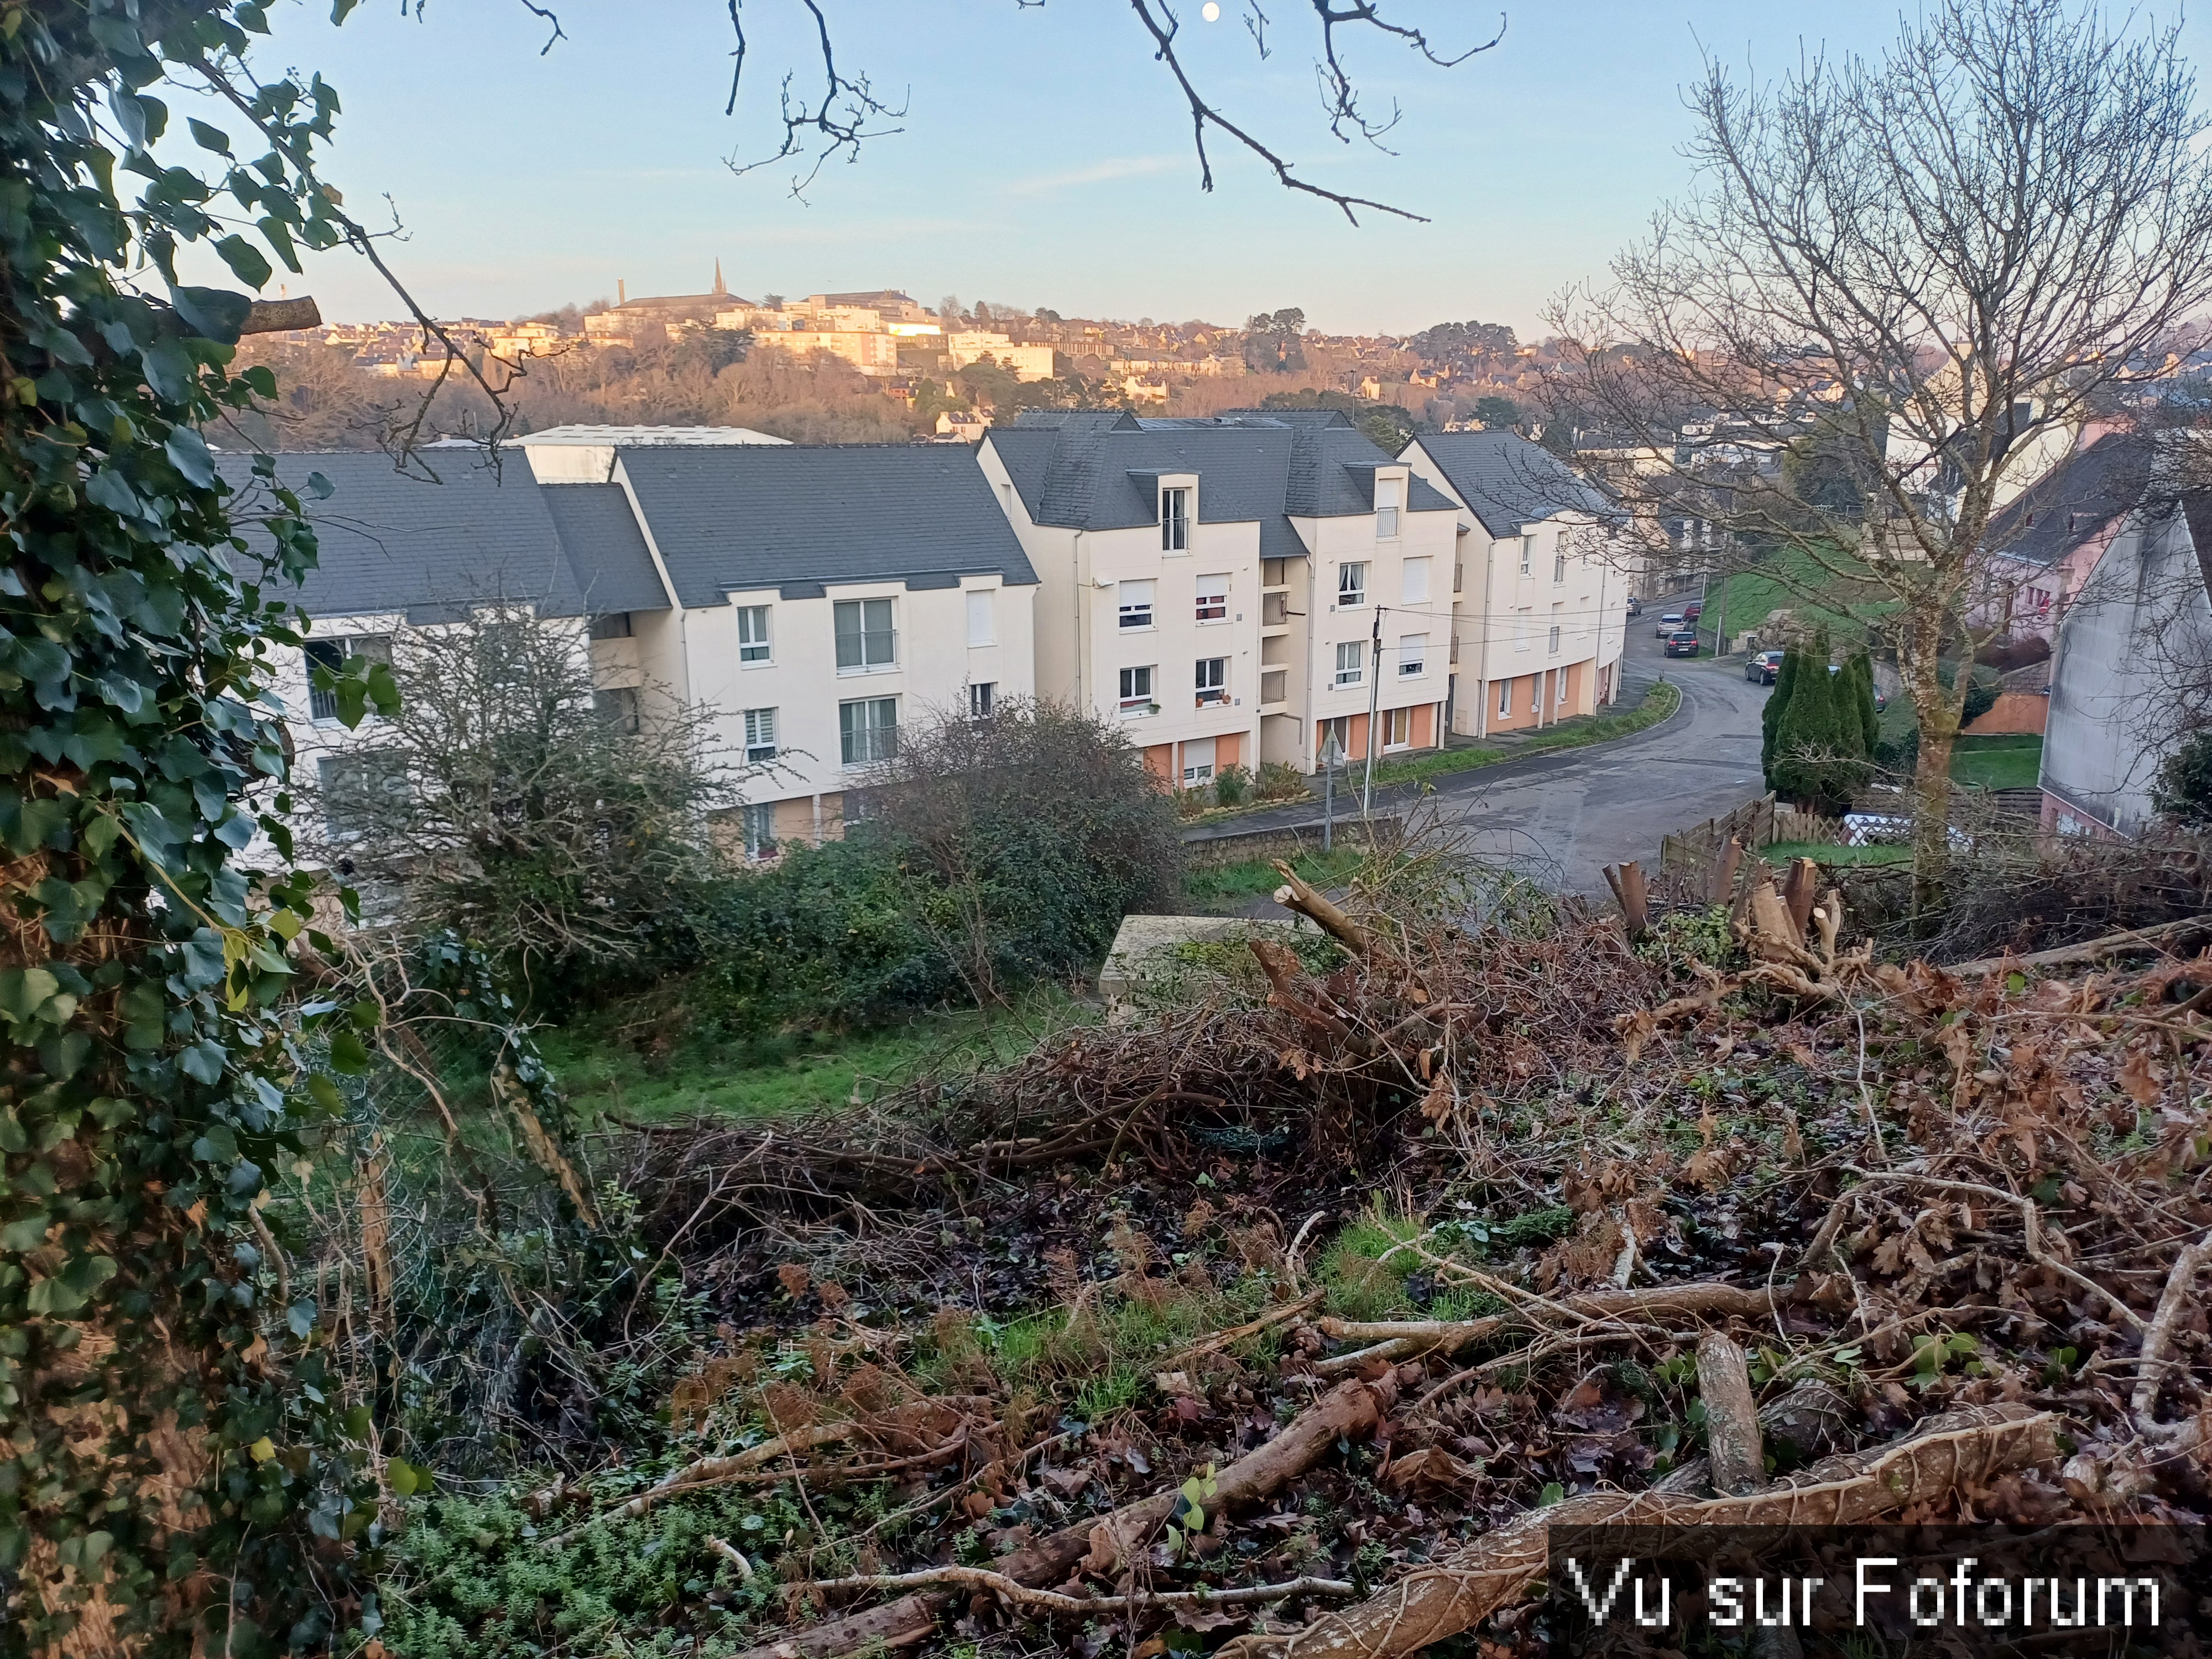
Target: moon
pixel 1211 12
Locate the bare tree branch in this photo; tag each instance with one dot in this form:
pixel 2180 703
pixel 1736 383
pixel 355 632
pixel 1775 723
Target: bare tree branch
pixel 841 119
pixel 1339 96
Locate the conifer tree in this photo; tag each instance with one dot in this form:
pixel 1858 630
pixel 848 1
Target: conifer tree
pixel 1785 679
pixel 1860 670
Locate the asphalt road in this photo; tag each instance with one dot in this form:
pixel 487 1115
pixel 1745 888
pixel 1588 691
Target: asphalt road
pixel 1559 819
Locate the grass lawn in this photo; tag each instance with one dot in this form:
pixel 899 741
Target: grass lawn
pixel 772 1075
pixel 1997 762
pixel 1779 582
pixel 1823 852
pixel 1234 886
pixel 1659 701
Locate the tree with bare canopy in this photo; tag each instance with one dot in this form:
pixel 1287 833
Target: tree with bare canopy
pixel 1970 245
pixel 560 829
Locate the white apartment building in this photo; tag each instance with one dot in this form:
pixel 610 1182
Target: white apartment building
pixel 1219 584
pixel 818 600
pixel 1028 362
pixel 399 553
pixel 818 597
pixel 1543 578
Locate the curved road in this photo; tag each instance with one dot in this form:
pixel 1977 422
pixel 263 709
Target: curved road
pixel 1558 818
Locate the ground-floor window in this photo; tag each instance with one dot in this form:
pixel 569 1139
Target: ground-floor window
pixel 760 830
pixel 1198 761
pixel 1397 728
pixel 1505 696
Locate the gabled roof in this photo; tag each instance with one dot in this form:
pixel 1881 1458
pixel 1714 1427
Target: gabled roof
pixel 795 518
pixel 1506 481
pixel 391 543
pixel 1088 469
pixel 2075 501
pixel 606 549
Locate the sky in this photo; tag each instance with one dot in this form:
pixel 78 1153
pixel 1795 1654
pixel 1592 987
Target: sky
pixel 1043 158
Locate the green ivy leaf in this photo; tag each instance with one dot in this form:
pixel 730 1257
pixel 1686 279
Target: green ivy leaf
pixel 348 1054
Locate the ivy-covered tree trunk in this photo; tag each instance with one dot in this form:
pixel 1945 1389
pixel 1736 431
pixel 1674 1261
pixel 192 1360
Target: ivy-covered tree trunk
pixel 177 1470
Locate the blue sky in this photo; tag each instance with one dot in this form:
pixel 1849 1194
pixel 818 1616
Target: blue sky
pixel 1045 158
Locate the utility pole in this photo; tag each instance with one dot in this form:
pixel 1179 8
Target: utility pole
pixel 1374 709
pixel 1330 754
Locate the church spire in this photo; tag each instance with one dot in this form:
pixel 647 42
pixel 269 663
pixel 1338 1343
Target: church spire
pixel 718 287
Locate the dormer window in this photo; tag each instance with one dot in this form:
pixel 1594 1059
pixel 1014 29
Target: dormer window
pixel 1175 519
pixel 1386 509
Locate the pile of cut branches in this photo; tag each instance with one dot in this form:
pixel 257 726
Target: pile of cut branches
pixel 1736 1225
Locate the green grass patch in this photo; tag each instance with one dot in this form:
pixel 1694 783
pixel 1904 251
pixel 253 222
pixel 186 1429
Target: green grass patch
pixel 796 1071
pixel 1237 884
pixel 2009 761
pixel 1361 1283
pixel 1822 851
pixel 1787 579
pixel 1659 701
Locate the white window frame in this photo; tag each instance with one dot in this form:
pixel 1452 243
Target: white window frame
pixel 1412 655
pixel 1393 721
pixel 1134 702
pixel 1213 689
pixel 1505 698
pixel 1175 518
pixel 1134 614
pixel 1558 567
pixel 861 609
pixel 1555 639
pixel 870 729
pixel 1387 494
pixel 982 617
pixel 1528 552
pixel 1208 597
pixel 760 735
pixel 1195 775
pixel 982 699
pixel 1413 575
pixel 1351 585
pixel 1560 684
pixel 1351 668
pixel 755 638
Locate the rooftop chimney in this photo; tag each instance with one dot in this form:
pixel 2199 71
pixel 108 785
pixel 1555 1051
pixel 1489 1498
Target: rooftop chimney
pixel 622 294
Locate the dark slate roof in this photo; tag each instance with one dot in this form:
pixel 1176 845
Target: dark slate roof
pixel 391 543
pixel 1094 471
pixel 2075 501
pixel 605 548
pixel 797 516
pixel 1506 481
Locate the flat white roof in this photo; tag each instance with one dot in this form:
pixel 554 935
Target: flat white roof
pixel 630 436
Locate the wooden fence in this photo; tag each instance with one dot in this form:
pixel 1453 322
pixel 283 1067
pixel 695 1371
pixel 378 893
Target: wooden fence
pixel 1690 852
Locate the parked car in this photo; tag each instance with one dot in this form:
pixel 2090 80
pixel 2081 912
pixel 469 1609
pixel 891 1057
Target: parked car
pixel 1691 611
pixel 1635 606
pixel 1670 622
pixel 1682 643
pixel 1763 667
